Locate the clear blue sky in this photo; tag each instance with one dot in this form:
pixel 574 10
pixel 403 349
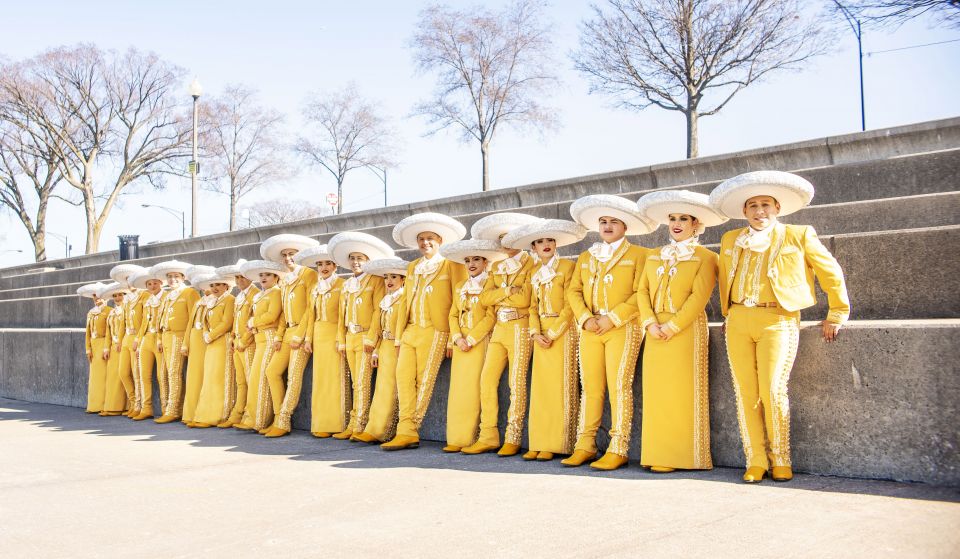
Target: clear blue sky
pixel 286 49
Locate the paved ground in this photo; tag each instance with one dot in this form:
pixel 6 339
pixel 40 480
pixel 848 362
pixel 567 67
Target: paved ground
pixel 77 485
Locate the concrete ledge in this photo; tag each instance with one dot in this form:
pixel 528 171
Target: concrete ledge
pixel 881 402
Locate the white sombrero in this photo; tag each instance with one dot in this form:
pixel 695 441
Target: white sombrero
pixel 111 289
pixel 251 270
pixel 311 256
pixel 205 281
pixel 271 248
pixel 450 230
pixel 231 269
pixel 491 227
pixel 197 271
pixel 121 272
pixel 90 290
pixel 170 267
pixel 139 280
pixel 793 192
pixel 588 210
pixel 458 250
pixel 384 266
pixel 658 206
pixel 342 244
pixel 561 230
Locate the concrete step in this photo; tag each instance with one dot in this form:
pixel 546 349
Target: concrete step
pixel 880 402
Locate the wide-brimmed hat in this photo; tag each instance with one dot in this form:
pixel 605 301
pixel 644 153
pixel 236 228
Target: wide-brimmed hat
pixel 121 272
pixel 561 230
pixel 251 270
pixel 311 256
pixel 405 233
pixel 139 280
pixel 383 266
pixel 658 206
pixel 457 251
pixel 271 248
pixel 793 192
pixel 231 269
pixel 588 210
pixel 197 271
pixel 112 288
pixel 90 290
pixel 491 227
pixel 170 267
pixel 205 281
pixel 341 245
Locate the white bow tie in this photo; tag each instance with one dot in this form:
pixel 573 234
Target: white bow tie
pixel 354 283
pixel 323 285
pixel 426 267
pixel 757 241
pixel 601 251
pixel 474 285
pixel 678 252
pixel 389 299
pixel 546 273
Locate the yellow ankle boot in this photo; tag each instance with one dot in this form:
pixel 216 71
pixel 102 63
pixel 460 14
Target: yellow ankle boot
pixel 321 434
pixel 609 462
pixel 401 442
pixel 661 469
pixel 275 432
pixel 508 449
pixel 754 474
pixel 451 448
pixel 364 438
pixel 530 455
pixel 343 435
pixel 782 473
pixel 578 458
pixel 545 456
pixel 477 448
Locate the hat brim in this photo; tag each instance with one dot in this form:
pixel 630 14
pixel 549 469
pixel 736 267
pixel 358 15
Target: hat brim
pixel 406 231
pixel 139 281
pixel 791 191
pixel 341 246
pixel 458 251
pixel 121 272
pixel 492 227
pixel 252 270
pixel 271 248
pixel 207 282
pixel 312 256
pixel 112 289
pixel 562 231
pixel 175 267
pixel 231 270
pixel 382 267
pixel 636 225
pixel 660 212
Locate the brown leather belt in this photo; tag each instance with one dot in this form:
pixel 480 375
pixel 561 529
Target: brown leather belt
pixel 760 305
pixel 549 315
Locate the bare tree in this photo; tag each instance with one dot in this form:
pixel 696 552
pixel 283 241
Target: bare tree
pixel 282 210
pixel 243 142
pixel 493 68
pixel 111 114
pixel 344 132
pixel 896 12
pixel 674 53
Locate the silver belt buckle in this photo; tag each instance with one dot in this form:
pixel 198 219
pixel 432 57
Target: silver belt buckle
pixel 354 328
pixel 506 315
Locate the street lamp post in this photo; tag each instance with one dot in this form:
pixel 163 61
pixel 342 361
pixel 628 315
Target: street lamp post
pixel 173 211
pixel 65 239
pixel 195 91
pixel 374 169
pixel 855 26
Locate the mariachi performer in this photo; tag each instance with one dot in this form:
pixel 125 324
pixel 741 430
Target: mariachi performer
pixel 423 325
pixel 470 325
pixel 507 294
pixel 132 314
pixel 242 343
pixel 218 392
pixel 265 317
pixel 330 398
pixel 554 384
pixel 193 346
pixel 178 301
pixel 766 277
pixel 115 397
pixel 672 295
pixel 296 282
pixel 361 294
pixel 603 298
pixel 95 341
pixel 147 343
pixel 379 342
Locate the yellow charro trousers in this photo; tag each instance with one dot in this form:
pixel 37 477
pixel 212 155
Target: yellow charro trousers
pixel 194 382
pixel 242 365
pixel 463 400
pixel 608 363
pixel 330 396
pixel 147 357
pixel 173 366
pixel 554 393
pixel 286 396
pixel 97 380
pixel 382 423
pixel 218 394
pixel 258 412
pixel 125 370
pixel 421 352
pixel 761 346
pixel 509 347
pixel 114 397
pixel 361 379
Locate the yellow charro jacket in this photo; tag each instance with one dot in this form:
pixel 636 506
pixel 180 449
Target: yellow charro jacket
pixel 133 310
pixel 219 318
pixel 115 327
pixel 242 307
pixel 357 309
pixel 176 309
pixel 549 299
pixel 469 317
pixel 96 328
pixel 267 308
pixel 496 293
pixel 384 323
pixel 295 292
pixel 607 288
pixel 682 290
pixel 428 297
pixel 152 306
pixel 795 256
pixel 324 307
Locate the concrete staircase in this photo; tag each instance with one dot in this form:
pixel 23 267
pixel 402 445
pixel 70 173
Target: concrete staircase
pixel 881 402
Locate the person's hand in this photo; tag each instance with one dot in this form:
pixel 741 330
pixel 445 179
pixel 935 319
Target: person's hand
pixel 136 345
pixel 654 331
pixel 830 331
pixel 106 354
pixel 368 348
pixel 90 356
pixel 374 360
pixel 515 290
pixel 294 344
pixel 308 346
pixel 277 345
pixel 449 353
pixel 542 341
pixel 464 345
pixel 184 351
pixel 667 333
pixel 604 325
pixel 590 325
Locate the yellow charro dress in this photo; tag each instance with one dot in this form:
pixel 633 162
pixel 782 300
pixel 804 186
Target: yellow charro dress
pixel 195 352
pixel 219 389
pixel 115 397
pixel 174 322
pixel 330 396
pixel 95 342
pixel 129 361
pixel 148 355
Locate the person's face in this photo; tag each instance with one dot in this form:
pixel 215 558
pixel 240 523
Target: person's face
pixel 268 279
pixel 392 282
pixel 154 285
pixel 219 288
pixel 761 211
pixel 174 279
pixel 475 265
pixel 97 300
pixel 118 298
pixel 429 243
pixel 326 268
pixel 356 262
pixel 612 229
pixel 242 282
pixel 286 258
pixel 511 252
pixel 545 248
pixel 682 226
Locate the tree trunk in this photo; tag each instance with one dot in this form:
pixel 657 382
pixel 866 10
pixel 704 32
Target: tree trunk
pixel 39 246
pixel 693 149
pixel 93 233
pixel 233 208
pixel 339 196
pixel 485 155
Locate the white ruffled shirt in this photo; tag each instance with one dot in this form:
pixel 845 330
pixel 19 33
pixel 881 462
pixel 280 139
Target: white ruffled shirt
pixel 757 241
pixel 324 285
pixel 678 252
pixel 603 251
pixel 427 266
pixel 546 273
pixel 390 298
pixel 474 285
pixel 354 283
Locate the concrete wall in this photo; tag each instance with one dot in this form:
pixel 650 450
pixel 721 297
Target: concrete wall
pixel 861 407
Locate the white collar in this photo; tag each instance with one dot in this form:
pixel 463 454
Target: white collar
pixel 474 285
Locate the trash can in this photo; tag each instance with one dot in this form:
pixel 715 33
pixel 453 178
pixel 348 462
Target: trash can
pixel 129 247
